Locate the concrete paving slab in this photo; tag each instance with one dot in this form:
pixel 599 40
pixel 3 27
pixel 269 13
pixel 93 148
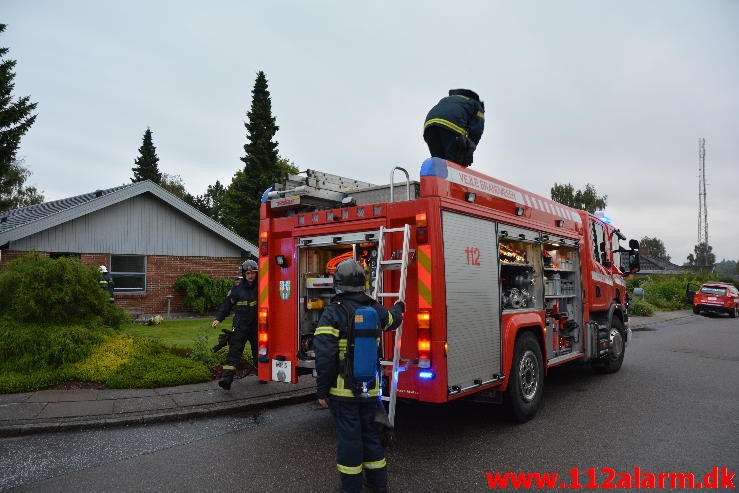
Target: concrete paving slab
pixel 106 394
pixel 204 397
pixel 22 410
pixel 15 398
pixel 140 404
pixel 79 408
pixel 64 395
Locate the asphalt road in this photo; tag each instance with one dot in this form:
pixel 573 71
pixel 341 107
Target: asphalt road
pixel 673 407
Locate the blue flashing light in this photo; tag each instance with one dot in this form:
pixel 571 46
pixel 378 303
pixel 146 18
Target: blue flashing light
pixel 426 374
pixel 434 167
pixel 265 194
pixel 602 216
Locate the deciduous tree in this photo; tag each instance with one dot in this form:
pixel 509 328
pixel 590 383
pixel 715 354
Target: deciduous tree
pixel 655 246
pixel 587 199
pixel 702 257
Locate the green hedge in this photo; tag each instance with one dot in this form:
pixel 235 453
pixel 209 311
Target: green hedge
pixel 203 293
pixel 666 292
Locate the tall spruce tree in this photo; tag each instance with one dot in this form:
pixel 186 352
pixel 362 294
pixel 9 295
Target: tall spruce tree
pixel 239 205
pixel 146 166
pixel 16 118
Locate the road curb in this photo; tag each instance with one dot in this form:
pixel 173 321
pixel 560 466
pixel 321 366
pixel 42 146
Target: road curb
pixel 143 418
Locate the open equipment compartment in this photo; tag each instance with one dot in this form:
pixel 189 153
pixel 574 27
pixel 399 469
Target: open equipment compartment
pixel 317 261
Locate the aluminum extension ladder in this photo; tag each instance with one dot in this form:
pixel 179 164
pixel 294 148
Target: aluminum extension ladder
pixel 384 264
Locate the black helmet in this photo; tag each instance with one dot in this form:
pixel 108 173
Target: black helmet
pixel 349 277
pixel 249 265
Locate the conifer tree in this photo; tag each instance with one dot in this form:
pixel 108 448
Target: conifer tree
pixel 146 166
pixel 16 118
pixel 239 205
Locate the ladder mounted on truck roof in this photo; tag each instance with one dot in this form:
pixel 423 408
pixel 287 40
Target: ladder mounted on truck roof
pixel 318 190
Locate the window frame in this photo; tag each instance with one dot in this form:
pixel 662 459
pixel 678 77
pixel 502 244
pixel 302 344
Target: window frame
pixel 128 274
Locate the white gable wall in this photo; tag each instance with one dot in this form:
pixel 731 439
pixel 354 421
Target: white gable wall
pixel 141 225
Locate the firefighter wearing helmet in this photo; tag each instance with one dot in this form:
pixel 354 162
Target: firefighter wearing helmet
pixel 242 299
pixel 106 282
pixel 454 126
pixel 359 450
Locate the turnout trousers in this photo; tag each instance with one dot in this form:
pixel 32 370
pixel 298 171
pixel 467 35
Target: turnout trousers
pixel 358 445
pixel 446 144
pixel 236 345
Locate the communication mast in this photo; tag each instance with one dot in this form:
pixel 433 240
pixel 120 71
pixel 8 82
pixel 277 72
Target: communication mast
pixel 702 207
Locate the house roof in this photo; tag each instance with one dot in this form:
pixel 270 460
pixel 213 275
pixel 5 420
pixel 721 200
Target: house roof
pixel 25 221
pixel 656 265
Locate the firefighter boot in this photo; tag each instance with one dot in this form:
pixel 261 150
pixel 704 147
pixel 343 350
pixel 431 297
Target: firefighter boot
pixel 226 378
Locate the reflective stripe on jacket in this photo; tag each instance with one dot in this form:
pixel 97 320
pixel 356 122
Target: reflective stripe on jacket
pixel 460 114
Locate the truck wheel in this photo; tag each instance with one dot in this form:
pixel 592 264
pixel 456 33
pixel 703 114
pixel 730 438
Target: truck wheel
pixel 696 310
pixel 732 312
pixel 526 386
pixel 612 363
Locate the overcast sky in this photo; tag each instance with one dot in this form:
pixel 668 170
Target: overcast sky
pixel 613 93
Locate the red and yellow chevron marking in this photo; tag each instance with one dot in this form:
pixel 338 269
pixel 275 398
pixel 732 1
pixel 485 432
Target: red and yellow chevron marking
pixel 424 276
pixel 263 271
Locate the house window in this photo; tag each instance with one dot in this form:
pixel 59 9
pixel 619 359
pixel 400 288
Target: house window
pixel 64 254
pixel 129 272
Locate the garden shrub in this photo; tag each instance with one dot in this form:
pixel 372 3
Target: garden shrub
pixel 639 307
pixel 30 347
pixel 40 289
pixel 202 351
pixel 203 293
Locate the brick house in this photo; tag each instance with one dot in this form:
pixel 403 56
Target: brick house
pixel 144 235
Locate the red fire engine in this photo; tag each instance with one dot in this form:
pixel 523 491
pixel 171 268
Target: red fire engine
pixel 500 284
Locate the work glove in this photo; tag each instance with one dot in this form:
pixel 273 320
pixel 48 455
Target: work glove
pixel 401 306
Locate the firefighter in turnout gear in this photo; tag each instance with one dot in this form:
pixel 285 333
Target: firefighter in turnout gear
pixel 106 282
pixel 454 126
pixel 242 299
pixel 359 448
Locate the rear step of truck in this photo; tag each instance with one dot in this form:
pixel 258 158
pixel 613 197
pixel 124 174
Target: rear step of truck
pixel 401 264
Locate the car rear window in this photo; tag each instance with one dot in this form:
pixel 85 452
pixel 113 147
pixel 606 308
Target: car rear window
pixel 713 290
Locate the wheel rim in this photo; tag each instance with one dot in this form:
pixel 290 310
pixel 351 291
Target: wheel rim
pixel 528 375
pixel 617 344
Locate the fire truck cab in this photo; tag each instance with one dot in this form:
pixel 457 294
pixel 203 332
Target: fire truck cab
pixel 500 284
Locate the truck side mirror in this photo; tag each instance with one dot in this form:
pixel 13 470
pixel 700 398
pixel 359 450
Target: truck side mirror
pixel 633 244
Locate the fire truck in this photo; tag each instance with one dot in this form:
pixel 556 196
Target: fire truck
pixel 500 284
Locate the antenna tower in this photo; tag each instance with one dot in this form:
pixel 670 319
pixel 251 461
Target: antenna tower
pixel 702 207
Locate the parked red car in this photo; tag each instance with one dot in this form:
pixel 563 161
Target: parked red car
pixel 717 297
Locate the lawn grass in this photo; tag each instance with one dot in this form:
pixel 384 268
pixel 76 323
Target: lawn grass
pixel 178 333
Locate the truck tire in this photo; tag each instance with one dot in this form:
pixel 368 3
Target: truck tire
pixel 526 386
pixel 612 363
pixel 733 312
pixel 696 310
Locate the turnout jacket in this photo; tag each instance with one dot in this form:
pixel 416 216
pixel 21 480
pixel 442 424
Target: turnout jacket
pixel 242 299
pixel 461 112
pixel 330 343
pixel 106 282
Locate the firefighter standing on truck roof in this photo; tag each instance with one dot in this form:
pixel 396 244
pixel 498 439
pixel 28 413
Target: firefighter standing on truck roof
pixel 358 445
pixel 242 298
pixel 454 126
